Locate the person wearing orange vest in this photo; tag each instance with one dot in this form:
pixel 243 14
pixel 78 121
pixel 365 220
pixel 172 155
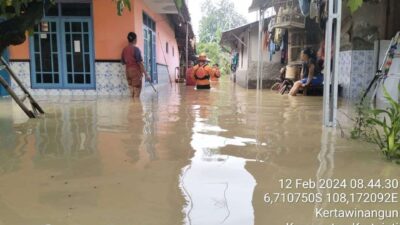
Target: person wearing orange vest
pixel 217 73
pixel 202 73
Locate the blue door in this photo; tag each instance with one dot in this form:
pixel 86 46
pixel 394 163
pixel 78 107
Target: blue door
pixel 5 75
pixel 62 48
pixel 149 57
pixel 77 44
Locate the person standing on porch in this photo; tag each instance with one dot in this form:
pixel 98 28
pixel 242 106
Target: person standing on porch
pixel 132 59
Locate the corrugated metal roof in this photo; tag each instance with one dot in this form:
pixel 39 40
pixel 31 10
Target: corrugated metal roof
pixel 229 35
pixel 264 4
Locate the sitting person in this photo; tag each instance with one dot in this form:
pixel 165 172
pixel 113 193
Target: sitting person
pixel 310 72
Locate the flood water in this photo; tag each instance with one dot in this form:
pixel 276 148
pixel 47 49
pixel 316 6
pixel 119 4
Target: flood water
pixel 182 157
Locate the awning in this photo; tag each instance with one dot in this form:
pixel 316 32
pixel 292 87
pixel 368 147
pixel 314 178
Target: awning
pixel 264 4
pixel 232 35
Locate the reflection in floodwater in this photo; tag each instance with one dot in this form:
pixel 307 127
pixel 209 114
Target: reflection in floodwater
pixel 217 187
pixel 177 157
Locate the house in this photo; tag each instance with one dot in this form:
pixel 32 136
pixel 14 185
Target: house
pixel 244 41
pixel 283 36
pixel 76 49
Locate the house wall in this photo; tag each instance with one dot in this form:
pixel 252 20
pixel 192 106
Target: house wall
pixel 246 76
pixel 164 33
pixel 356 71
pixel 109 38
pixel 360 30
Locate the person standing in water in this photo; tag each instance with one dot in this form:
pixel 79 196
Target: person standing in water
pixel 217 73
pixel 132 59
pixel 202 73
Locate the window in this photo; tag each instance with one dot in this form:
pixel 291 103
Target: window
pixel 70 9
pixel 61 48
pixel 149 22
pixel 166 47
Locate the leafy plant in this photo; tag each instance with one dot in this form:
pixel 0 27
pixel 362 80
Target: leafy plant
pixel 387 131
pixel 354 5
pixel 380 126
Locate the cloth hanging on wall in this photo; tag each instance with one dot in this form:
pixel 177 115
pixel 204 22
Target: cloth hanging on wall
pixel 304 7
pixel 266 40
pixel 323 14
pixel 271 49
pixel 278 36
pixel 314 9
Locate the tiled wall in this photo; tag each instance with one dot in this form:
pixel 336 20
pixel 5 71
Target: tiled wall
pixel 110 80
pixel 356 70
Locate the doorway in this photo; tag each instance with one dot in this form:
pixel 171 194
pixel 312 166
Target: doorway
pixel 5 75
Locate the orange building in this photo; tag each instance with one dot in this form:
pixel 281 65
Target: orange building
pixel 76 49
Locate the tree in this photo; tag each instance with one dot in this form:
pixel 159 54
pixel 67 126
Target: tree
pixel 22 15
pixel 218 18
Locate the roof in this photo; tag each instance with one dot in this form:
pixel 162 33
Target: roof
pixel 264 4
pixel 180 21
pixel 229 35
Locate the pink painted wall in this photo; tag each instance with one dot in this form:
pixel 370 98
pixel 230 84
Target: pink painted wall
pixel 164 31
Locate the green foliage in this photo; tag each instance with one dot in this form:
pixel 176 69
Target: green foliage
pixel 179 4
pixel 381 127
pixel 218 18
pixel 215 54
pixel 22 15
pixel 121 5
pixel 12 8
pixel 354 5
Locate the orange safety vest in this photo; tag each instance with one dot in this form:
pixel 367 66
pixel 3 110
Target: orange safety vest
pixel 202 74
pixel 217 75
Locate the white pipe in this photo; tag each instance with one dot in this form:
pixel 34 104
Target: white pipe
pixel 327 67
pixel 338 16
pixel 259 49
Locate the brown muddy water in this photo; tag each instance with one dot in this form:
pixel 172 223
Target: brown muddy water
pixel 186 157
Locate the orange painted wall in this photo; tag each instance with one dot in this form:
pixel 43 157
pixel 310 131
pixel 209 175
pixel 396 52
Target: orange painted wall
pixel 110 30
pixel 20 52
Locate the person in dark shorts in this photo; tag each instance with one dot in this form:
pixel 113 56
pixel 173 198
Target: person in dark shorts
pixel 131 57
pixel 310 72
pixel 202 73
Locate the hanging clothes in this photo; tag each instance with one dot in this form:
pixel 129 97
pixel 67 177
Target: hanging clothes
pixel 271 50
pixel 278 36
pixel 304 7
pixel 266 40
pixel 323 14
pixel 313 9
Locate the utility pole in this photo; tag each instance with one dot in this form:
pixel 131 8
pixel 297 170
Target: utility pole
pixel 187 45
